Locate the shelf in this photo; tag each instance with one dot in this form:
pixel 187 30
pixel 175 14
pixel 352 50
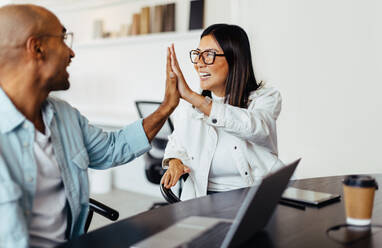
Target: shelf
pixel 141 39
pixel 80 5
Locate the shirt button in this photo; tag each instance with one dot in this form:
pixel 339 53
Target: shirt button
pixel 214 121
pixel 25 126
pixel 30 179
pixel 235 147
pixel 26 144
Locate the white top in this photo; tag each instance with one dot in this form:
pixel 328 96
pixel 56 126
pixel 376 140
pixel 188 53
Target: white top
pixel 49 214
pixel 224 174
pixel 251 142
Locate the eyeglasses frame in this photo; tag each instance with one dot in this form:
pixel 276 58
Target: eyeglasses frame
pixel 64 37
pixel 200 54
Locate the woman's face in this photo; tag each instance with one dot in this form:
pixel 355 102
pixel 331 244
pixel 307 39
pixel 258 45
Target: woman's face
pixel 212 77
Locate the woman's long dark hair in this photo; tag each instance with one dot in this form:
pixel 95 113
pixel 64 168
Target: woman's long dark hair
pixel 241 78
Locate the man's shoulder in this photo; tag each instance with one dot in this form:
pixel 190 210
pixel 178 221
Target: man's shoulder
pixel 59 105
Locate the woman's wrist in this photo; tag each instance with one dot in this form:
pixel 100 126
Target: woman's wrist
pixel 202 103
pixel 188 95
pixel 172 161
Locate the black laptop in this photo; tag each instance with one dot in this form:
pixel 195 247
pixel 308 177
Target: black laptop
pixel 254 213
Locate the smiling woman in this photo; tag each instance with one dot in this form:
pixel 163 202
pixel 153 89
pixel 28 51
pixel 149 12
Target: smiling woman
pixel 227 139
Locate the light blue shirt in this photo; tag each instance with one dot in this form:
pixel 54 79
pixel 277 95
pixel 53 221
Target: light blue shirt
pixel 77 146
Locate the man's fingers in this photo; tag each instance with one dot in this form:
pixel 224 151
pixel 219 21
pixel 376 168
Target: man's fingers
pixel 168 64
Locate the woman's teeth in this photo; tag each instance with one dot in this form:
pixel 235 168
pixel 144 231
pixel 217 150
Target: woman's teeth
pixel 204 74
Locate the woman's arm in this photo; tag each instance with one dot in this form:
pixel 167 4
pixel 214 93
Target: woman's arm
pixel 254 124
pixel 173 159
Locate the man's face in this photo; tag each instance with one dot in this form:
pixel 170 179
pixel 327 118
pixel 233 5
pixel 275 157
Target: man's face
pixel 56 57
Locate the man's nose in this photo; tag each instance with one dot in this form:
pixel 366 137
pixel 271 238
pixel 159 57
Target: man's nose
pixel 71 53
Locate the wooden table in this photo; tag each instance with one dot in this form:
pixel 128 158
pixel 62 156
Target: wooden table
pixel 288 227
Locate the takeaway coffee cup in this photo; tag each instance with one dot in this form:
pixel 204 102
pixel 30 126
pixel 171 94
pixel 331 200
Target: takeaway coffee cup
pixel 359 199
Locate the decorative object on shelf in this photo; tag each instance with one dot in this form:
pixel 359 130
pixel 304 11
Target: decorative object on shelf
pixel 123 30
pixel 135 26
pixel 150 19
pixel 157 19
pixel 196 14
pixel 97 29
pixel 145 20
pixel 168 17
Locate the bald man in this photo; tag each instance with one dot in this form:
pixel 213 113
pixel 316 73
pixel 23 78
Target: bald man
pixel 46 146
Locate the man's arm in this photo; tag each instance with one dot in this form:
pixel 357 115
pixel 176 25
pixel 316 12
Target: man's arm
pixel 154 122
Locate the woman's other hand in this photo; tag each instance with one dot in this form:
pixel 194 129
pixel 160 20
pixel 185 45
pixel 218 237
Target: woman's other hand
pixel 175 170
pixel 183 87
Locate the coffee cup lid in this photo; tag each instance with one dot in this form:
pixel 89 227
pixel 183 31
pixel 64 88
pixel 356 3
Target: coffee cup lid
pixel 363 181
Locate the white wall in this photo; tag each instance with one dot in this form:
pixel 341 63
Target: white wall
pixel 324 56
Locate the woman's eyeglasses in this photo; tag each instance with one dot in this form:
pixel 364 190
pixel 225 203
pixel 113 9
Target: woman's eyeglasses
pixel 208 56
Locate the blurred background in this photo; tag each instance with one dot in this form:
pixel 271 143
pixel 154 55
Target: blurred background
pixel 324 56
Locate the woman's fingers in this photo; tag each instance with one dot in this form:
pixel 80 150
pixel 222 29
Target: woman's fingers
pixel 175 178
pixel 174 61
pixel 186 169
pixel 174 55
pixel 165 179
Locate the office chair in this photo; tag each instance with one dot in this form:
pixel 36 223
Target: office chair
pixel 153 158
pixel 99 208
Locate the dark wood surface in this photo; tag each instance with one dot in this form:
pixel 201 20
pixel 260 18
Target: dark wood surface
pixel 288 227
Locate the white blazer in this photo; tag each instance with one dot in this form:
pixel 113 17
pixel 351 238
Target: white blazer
pixel 253 140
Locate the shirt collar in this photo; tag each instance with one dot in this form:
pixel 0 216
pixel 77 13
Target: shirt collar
pixel 11 117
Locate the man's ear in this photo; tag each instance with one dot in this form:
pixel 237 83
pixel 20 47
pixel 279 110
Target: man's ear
pixel 34 47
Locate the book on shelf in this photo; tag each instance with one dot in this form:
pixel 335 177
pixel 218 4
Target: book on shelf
pixel 135 26
pixel 145 20
pixel 157 19
pixel 168 17
pixel 196 14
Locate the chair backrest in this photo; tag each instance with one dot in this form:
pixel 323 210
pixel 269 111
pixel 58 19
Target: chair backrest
pixel 145 108
pixel 153 158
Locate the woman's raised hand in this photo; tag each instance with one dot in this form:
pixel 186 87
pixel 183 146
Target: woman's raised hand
pixel 172 94
pixel 183 87
pixel 175 170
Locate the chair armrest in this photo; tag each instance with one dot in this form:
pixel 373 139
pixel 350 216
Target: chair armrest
pixel 167 194
pixel 103 210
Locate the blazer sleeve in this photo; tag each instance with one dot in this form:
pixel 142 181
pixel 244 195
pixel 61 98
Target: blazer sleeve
pixel 175 149
pixel 255 124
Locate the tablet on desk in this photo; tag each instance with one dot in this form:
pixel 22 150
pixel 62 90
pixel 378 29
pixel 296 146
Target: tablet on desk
pixel 308 196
